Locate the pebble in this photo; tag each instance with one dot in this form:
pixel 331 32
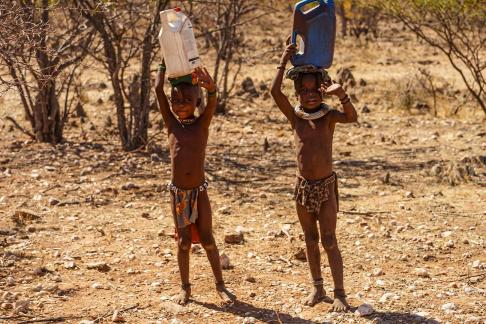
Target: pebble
pixel 364 310
pixel 100 266
pixel 53 201
pixel 117 318
pixel 450 244
pixel 448 307
pixel 421 272
pixel 10 281
pixel 446 234
pixel 249 320
pixel 476 264
pixel 97 285
pixel 225 261
pixel 387 296
pixel 234 238
pixel 377 272
pixel 380 282
pixel 69 265
pixel 250 279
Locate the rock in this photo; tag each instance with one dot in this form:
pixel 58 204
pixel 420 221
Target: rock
pixel 69 265
pixel 250 279
pixel 449 307
pixel 155 157
pixel 409 194
pixel 446 234
pixel 449 244
pixel 476 264
pixel 129 186
pixel 421 272
pixel 100 266
pixel 364 310
pixel 117 318
pixel 300 254
pixel 387 296
pixel 225 210
pixel 97 285
pixel 172 308
pixel 10 281
pixel 380 283
pixel 53 201
pixel 249 320
pixel 377 272
pixel 365 109
pixel 225 261
pixel 234 238
pixel 196 249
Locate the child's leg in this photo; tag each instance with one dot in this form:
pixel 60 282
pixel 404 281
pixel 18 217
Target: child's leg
pixel 327 224
pixel 308 222
pixel 183 249
pixel 204 225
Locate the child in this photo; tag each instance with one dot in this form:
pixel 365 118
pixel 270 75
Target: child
pixel 316 189
pixel 188 138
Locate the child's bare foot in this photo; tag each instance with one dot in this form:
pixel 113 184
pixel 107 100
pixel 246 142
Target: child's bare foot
pixel 317 294
pixel 183 297
pixel 224 293
pixel 340 304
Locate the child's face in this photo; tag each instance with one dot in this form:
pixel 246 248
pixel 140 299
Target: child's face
pixel 309 94
pixel 184 101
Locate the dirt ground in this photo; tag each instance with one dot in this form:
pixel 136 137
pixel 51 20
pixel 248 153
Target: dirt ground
pixel 86 230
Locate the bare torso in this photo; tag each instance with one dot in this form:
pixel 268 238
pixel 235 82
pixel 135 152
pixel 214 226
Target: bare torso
pixel 188 151
pixel 313 144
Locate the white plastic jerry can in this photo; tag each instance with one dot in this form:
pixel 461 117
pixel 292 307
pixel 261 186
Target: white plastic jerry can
pixel 178 44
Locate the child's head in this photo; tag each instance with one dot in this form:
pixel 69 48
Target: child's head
pixel 185 98
pixel 307 89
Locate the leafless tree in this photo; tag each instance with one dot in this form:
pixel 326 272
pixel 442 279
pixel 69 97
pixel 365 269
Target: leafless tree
pixel 454 27
pixel 128 31
pixel 41 49
pixel 221 24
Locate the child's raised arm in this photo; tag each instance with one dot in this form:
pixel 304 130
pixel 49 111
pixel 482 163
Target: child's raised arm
pixel 280 99
pixel 162 98
pixel 205 81
pixel 349 114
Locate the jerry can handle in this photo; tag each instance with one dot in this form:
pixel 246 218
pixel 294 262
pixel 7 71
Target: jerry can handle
pixel 328 3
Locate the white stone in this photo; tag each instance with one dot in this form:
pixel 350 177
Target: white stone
pixel 446 234
pixel 380 282
pixel 450 244
pixel 377 272
pixel 387 296
pixel 364 310
pixel 421 272
pixel 476 264
pixel 249 320
pixel 448 307
pixel 97 285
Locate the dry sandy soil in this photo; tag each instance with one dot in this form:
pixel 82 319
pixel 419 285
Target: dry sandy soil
pixel 98 234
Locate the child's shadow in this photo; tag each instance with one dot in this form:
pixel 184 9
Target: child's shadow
pixel 243 309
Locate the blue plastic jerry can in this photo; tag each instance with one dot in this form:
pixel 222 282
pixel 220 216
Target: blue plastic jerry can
pixel 317 30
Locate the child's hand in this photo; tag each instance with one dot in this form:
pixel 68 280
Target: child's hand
pixel 331 88
pixel 204 79
pixel 290 50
